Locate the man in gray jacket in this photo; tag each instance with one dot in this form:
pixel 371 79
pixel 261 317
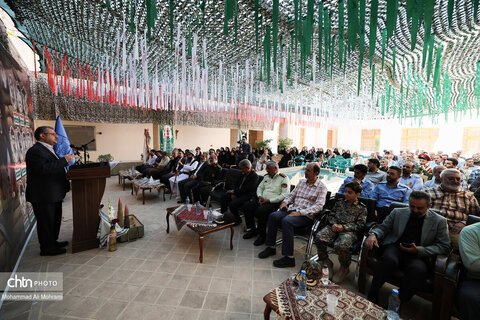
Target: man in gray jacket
pixel 410 239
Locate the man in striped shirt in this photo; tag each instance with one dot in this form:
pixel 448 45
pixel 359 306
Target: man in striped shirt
pixel 453 203
pixel 306 199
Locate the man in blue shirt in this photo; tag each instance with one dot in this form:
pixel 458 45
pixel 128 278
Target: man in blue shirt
pixel 387 192
pixel 414 182
pixel 359 173
pixel 436 181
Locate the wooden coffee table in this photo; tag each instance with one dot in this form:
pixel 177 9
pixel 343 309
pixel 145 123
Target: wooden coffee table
pixel 147 185
pixel 284 302
pixel 123 175
pixel 201 227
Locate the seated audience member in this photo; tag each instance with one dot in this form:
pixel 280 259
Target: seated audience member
pixel 310 156
pixel 359 173
pixel 346 154
pixel 183 172
pixel 410 239
pixel 383 165
pixel 230 160
pixel 160 164
pixel 271 192
pixel 475 185
pixel 374 174
pixel 262 160
pixel 243 191
pixel 474 171
pixel 387 192
pixel 283 163
pixel 149 163
pixel 412 181
pixel 169 168
pixel 468 295
pixel 453 203
pixel 198 154
pixel 437 161
pixel 436 181
pixel 185 186
pixel 356 159
pixel 469 164
pixel 422 168
pixel 307 198
pixel 452 163
pixel 346 219
pixel 206 179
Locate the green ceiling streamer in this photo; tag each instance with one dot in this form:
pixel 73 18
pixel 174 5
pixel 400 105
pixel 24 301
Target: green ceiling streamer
pixel 352 9
pixel 414 10
pixel 320 34
pixel 438 61
pixel 450 12
pixel 373 29
pixel 430 56
pixel 475 9
pixel 326 19
pixel 229 11
pixel 341 30
pixel 132 18
pixel 392 8
pixel 373 78
pixel 151 15
pixel 361 33
pixel 256 24
pixel 275 31
pixel 267 52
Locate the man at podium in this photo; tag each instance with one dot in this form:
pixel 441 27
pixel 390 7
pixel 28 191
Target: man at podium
pixel 46 188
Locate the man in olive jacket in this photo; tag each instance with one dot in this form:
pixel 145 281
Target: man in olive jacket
pixel 410 239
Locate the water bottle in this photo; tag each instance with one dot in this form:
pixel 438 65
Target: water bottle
pixel 133 170
pixel 198 209
pixel 187 202
pixel 325 275
pixel 393 305
pixel 302 286
pixel 210 215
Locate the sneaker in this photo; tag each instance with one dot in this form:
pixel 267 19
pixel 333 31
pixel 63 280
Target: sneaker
pixel 259 241
pixel 267 253
pixel 341 274
pixel 284 262
pixel 250 234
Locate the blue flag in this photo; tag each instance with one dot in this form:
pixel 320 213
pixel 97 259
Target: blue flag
pixel 63 144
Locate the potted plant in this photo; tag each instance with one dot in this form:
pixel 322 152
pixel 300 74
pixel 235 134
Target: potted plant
pixel 105 158
pixel 285 142
pixel 264 144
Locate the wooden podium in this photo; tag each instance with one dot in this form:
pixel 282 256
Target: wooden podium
pixel 88 185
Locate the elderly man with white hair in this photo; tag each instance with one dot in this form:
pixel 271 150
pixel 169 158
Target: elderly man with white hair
pixel 453 203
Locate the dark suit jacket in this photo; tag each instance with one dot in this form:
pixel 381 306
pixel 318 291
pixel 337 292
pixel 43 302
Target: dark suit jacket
pixel 434 240
pixel 248 187
pixel 46 177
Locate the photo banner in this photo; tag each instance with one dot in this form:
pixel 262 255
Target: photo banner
pixel 166 138
pixel 16 137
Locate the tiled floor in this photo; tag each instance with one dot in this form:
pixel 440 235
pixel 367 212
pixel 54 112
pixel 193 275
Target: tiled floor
pixel 159 277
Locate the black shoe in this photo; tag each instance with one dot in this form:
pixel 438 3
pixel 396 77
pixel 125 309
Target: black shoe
pixel 259 241
pixel 267 253
pixel 237 222
pixel 61 244
pixel 180 201
pixel 284 262
pixel 53 252
pixel 250 234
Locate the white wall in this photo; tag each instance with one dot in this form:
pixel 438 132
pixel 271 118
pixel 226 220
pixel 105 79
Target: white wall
pixel 190 137
pixel 273 135
pixel 123 141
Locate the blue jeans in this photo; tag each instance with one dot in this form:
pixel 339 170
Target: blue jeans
pixel 288 224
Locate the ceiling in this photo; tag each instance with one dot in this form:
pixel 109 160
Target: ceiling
pixel 88 30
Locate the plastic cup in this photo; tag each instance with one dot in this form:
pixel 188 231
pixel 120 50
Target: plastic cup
pixel 332 301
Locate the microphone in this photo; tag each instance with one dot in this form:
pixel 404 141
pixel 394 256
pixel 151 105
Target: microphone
pixel 74 146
